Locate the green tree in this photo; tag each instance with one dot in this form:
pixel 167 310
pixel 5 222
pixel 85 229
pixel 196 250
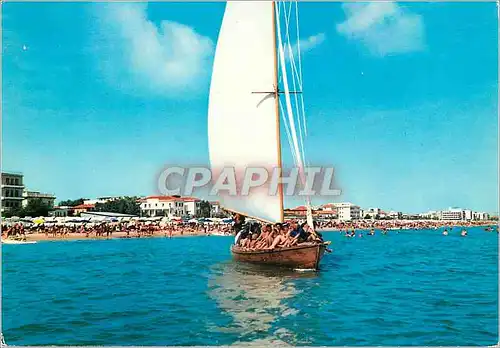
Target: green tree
pixel 367 216
pixel 71 203
pixel 18 211
pixel 35 207
pixel 125 205
pixel 205 210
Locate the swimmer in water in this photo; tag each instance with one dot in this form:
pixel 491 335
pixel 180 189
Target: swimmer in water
pixel 445 233
pixel 464 233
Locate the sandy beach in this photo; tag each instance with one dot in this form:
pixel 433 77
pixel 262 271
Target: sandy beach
pixel 41 237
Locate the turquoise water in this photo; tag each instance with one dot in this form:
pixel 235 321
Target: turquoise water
pixel 411 288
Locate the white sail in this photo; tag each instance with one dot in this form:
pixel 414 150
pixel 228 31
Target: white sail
pixel 243 127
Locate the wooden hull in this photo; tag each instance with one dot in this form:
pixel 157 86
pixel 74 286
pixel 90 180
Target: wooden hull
pixel 296 257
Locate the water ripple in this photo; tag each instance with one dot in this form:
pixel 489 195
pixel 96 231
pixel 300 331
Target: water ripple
pixel 411 288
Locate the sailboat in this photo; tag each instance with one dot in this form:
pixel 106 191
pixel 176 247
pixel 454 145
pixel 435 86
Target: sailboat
pixel 244 120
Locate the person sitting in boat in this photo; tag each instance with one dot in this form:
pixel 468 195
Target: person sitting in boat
pixel 281 238
pixel 238 228
pixel 249 232
pixel 265 238
pixel 253 236
pixel 239 221
pixel 307 234
pixel 284 238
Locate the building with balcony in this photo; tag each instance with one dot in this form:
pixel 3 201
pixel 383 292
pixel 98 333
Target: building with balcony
pixel 170 206
pixel 46 198
pixel 321 212
pixel 191 206
pixel 83 208
pixel 62 211
pixel 347 211
pixel 480 216
pixel 370 213
pixel 453 214
pixel 12 191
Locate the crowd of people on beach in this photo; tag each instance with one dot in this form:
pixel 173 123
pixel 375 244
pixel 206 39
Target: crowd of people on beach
pixel 135 229
pixel 253 236
pixel 250 235
pixel 337 225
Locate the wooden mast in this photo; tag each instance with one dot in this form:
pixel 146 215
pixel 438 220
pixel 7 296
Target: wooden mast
pixel 276 98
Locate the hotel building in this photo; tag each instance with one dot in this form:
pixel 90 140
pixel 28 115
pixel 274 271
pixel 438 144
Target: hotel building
pixel 46 198
pixel 347 211
pixel 162 206
pixel 12 191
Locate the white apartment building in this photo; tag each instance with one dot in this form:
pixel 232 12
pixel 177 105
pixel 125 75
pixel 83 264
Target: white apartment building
pixel 12 191
pixel 455 214
pixel 467 215
pixel 46 198
pixel 347 211
pixel 191 205
pixel 162 206
pixel 394 214
pixel 480 216
pixel 431 215
pixel 452 214
pixel 371 212
pixel 214 208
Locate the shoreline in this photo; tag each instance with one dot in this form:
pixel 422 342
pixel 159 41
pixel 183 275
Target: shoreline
pixel 41 237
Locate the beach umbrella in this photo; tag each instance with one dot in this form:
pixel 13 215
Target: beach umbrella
pixel 38 220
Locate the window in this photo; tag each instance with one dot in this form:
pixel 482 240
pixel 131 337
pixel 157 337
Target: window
pixel 7 181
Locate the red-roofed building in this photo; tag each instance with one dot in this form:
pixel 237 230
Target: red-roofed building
pixel 300 212
pixel 82 208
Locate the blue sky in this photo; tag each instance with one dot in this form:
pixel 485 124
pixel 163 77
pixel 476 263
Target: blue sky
pixel 400 98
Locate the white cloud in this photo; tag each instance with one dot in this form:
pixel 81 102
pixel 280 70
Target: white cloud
pixel 383 27
pixel 140 57
pixel 306 44
pixel 311 42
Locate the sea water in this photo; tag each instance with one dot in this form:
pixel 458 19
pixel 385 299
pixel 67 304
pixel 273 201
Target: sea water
pixel 403 288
